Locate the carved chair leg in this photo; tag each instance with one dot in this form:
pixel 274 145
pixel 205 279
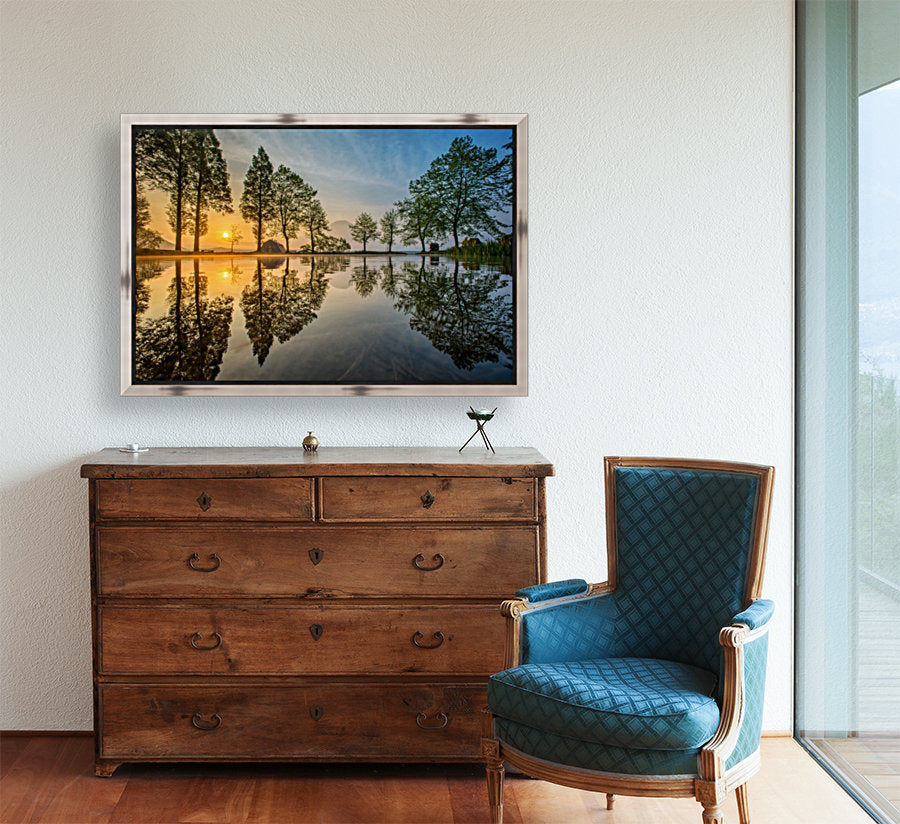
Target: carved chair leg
pixel 743 803
pixel 711 794
pixel 495 773
pixel 713 814
pixel 610 800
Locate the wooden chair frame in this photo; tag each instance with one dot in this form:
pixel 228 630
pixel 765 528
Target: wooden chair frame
pixel 713 781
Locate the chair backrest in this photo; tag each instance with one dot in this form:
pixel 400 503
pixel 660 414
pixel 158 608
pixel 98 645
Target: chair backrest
pixel 686 545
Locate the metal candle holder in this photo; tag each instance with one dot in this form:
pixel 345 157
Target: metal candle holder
pixel 481 418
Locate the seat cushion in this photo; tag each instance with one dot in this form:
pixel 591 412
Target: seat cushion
pixel 642 703
pixel 591 755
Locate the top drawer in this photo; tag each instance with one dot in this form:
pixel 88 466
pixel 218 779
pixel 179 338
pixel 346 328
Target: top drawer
pixel 206 499
pixel 429 499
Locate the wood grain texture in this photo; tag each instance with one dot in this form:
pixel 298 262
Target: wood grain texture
pixel 274 462
pixel 272 722
pixel 374 561
pixel 228 499
pixel 246 625
pixel 11 747
pixel 51 780
pixel 354 639
pixel 871 765
pixel 46 781
pixel 429 499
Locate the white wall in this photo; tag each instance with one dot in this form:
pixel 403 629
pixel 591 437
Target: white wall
pixel 660 258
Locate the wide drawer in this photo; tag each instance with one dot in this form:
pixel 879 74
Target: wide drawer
pixel 206 499
pixel 307 640
pixel 475 562
pixel 428 499
pixel 394 722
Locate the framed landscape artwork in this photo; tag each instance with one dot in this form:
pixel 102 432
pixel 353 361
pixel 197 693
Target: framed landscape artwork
pixel 324 255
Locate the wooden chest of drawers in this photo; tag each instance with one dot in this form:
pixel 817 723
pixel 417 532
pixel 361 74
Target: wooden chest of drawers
pixel 272 604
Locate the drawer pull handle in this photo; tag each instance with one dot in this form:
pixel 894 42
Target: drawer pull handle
pixel 427 499
pixel 200 724
pixel 441 718
pixel 438 637
pixel 417 562
pixel 205 501
pixel 217 562
pixel 197 636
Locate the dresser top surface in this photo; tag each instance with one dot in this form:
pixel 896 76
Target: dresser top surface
pixel 276 461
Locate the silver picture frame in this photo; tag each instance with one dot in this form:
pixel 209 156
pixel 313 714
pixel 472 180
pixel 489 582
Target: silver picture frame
pixel 517 352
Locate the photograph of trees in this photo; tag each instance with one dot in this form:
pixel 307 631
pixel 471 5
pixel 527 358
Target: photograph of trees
pixel 324 255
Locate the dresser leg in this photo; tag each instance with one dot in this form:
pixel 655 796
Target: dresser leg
pixel 104 769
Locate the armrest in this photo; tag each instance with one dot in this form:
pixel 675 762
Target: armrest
pixel 756 615
pixel 561 621
pixel 556 589
pixel 745 646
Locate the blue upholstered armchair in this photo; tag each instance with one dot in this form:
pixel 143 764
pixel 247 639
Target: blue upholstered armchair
pixel 650 684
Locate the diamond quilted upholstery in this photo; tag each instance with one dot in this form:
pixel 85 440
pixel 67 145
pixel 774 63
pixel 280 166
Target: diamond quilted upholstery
pixel 683 541
pixel 584 628
pixel 630 681
pixel 626 702
pixel 755 657
pixel 591 755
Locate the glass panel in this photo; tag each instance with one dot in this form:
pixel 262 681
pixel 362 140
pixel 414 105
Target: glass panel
pixel 848 394
pixel 878 410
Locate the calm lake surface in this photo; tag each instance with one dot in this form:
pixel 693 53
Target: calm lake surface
pixel 323 319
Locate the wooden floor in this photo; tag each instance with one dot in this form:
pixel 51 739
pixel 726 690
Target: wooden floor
pixel 49 779
pixel 872 765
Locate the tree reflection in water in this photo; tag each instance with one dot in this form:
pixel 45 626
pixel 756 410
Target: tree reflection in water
pixel 468 317
pixel 390 283
pixel 258 301
pixel 462 310
pixel 189 341
pixel 278 304
pixel 144 273
pixel 364 280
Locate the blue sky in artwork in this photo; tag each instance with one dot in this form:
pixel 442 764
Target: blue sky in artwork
pixel 353 170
